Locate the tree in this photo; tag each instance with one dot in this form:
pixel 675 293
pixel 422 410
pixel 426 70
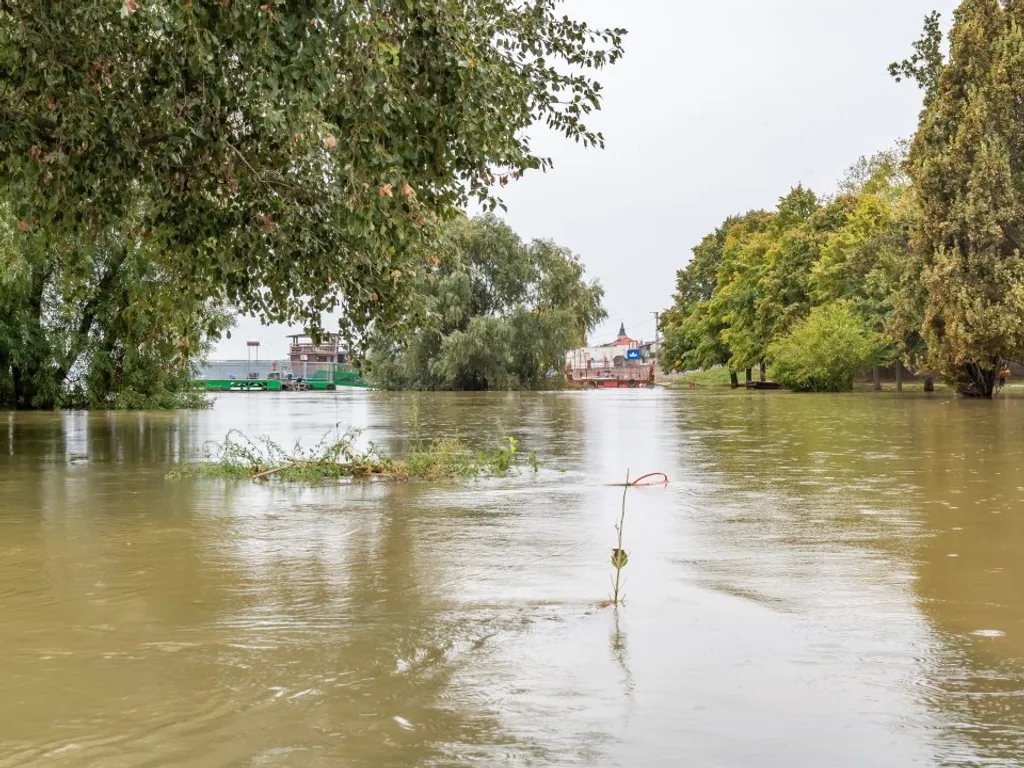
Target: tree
pixel 693 330
pixel 285 158
pixel 499 314
pixel 114 331
pixel 967 165
pixel 925 64
pixel 823 352
pixel 866 259
pixel 763 286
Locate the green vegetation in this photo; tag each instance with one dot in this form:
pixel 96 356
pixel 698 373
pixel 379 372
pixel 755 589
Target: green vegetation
pixel 160 162
pixel 719 376
pixel 337 457
pixel 109 331
pixel 967 165
pixel 922 246
pixel 825 351
pixel 498 314
pixel 619 557
pixel 754 280
pixel 286 159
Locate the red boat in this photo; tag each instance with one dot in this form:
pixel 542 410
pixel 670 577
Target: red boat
pixel 617 365
pixel 631 376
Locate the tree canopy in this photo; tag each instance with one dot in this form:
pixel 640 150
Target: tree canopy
pixel 824 351
pixel 107 329
pixel 285 158
pixel 967 166
pixel 499 314
pixel 753 282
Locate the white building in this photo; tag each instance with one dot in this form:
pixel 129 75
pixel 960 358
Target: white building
pixel 603 356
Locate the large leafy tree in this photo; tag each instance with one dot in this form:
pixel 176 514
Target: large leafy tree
pixel 866 260
pixel 967 165
pixel 693 326
pixel 750 283
pixel 287 158
pixel 108 329
pixel 763 286
pixel 499 314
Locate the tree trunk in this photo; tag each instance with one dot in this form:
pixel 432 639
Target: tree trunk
pixel 762 371
pixel 929 383
pixel 750 375
pixel 734 380
pixel 899 375
pixel 979 381
pixel 876 379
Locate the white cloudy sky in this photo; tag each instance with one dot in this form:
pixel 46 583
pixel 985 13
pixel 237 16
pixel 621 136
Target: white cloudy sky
pixel 717 108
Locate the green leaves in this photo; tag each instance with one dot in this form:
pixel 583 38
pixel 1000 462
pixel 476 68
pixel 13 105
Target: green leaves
pixel 759 275
pixel 96 323
pixel 498 314
pixel 824 352
pixel 967 165
pixel 925 64
pixel 202 119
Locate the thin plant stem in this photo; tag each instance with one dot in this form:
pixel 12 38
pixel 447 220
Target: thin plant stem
pixel 618 555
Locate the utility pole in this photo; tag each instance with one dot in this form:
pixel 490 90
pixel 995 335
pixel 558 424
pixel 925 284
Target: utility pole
pixel 657 334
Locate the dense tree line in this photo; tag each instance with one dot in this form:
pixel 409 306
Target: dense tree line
pixel 916 258
pixel 757 278
pixel 160 161
pixel 497 313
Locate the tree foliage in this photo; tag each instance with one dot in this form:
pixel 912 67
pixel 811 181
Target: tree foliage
pixel 285 158
pixel 924 66
pixel 967 166
pixel 499 314
pixel 106 329
pixel 823 352
pixel 758 276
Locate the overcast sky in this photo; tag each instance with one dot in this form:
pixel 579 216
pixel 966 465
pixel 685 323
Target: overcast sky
pixel 717 108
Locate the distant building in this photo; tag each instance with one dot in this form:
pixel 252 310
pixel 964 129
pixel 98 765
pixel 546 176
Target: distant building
pixel 604 355
pixel 329 350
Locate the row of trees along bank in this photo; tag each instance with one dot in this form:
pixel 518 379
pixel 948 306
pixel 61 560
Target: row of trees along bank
pixel 162 161
pixel 917 257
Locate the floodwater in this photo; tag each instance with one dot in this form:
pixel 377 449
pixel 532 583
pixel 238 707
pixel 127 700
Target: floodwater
pixel 827 581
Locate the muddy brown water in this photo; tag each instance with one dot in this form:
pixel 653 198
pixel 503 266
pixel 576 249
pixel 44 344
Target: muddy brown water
pixel 827 581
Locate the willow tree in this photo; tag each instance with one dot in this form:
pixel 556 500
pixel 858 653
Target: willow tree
pixel 287 158
pixel 967 166
pixel 499 313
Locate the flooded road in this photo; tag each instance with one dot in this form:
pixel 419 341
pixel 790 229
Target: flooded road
pixel 828 581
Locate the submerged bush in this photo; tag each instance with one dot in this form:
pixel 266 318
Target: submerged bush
pixel 825 351
pixel 337 456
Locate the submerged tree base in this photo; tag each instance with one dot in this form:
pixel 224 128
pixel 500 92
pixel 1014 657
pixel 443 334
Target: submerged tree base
pixel 242 457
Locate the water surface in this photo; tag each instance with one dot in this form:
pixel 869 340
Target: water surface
pixel 827 581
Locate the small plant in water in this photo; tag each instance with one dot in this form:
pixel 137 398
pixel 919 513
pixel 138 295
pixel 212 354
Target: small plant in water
pixel 619 557
pixel 534 462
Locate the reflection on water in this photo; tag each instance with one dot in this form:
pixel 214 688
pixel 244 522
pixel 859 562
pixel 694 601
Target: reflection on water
pixel 827 581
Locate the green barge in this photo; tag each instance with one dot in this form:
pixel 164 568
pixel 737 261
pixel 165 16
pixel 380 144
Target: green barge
pixel 312 366
pixel 320 381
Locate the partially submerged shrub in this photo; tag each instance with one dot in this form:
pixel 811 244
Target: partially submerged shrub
pixel 825 351
pixel 339 457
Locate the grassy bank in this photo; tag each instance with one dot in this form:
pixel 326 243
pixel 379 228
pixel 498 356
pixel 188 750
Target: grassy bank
pixel 338 457
pixel 714 377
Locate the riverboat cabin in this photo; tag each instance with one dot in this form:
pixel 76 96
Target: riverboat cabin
pixel 619 363
pixel 304 350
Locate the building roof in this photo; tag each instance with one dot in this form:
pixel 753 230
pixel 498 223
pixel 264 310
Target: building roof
pixel 621 341
pixel 326 338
